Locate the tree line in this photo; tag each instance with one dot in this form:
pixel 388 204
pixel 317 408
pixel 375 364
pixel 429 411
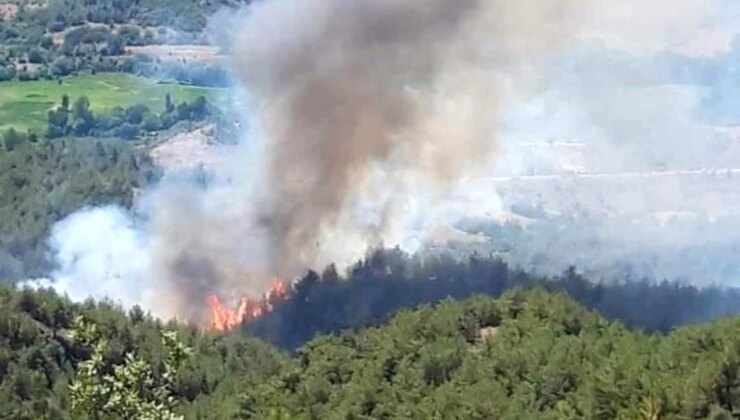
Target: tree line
pixel 389 280
pixel 128 123
pixel 60 360
pixel 531 353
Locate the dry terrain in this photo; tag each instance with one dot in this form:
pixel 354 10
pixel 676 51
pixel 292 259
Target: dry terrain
pixel 187 151
pixel 8 11
pixel 203 53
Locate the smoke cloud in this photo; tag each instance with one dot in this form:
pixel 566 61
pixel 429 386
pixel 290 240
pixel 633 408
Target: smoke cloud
pixel 373 122
pixel 405 90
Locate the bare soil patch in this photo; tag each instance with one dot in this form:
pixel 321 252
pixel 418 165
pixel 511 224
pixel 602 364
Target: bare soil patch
pixel 205 53
pixel 187 151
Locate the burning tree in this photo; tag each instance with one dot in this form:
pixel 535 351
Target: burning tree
pixel 225 319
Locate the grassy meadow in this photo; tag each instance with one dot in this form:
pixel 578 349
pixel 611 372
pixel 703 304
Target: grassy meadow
pixel 24 105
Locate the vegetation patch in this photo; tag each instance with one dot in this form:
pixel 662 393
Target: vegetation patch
pixel 25 105
pixel 551 359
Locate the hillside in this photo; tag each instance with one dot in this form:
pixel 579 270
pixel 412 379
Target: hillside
pixel 38 357
pixel 58 38
pixel 539 199
pixel 389 280
pixel 43 182
pixel 529 354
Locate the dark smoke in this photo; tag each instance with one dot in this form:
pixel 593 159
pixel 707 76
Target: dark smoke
pixel 408 89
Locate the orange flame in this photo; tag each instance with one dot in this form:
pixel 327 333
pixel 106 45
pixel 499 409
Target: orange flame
pixel 224 319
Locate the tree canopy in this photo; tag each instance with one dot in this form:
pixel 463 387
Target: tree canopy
pixel 529 354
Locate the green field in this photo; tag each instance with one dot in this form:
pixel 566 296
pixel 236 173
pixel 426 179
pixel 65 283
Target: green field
pixel 24 105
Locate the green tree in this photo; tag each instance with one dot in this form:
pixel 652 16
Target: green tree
pixel 62 66
pixel 169 107
pixel 128 131
pixel 11 139
pixel 82 116
pixel 131 391
pixel 135 114
pixel 151 123
pixel 199 108
pixel 115 46
pixel 5 75
pixel 36 56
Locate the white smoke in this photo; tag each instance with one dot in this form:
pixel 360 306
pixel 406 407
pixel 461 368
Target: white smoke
pixel 662 206
pixel 101 254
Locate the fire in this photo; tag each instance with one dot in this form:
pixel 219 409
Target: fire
pixel 226 319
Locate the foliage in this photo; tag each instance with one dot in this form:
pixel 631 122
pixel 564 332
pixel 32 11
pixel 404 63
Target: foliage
pixel 130 392
pixel 52 366
pixel 129 124
pixel 44 182
pixel 529 354
pixel 390 280
pixel 69 36
pixel 24 105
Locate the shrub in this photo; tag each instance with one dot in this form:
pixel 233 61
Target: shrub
pixel 62 66
pixel 128 131
pixel 36 56
pixel 151 123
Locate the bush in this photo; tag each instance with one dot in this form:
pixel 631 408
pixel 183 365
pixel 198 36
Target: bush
pixel 54 131
pixel 25 76
pixel 11 139
pixel 47 42
pixel 5 74
pixel 127 65
pixel 62 66
pixel 151 123
pixel 169 119
pixel 128 131
pixel 109 122
pixel 57 26
pixel 104 64
pixel 135 114
pixel 114 45
pixel 36 56
pixel 86 35
pixel 130 35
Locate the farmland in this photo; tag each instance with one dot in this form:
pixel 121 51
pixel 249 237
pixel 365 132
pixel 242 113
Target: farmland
pixel 24 105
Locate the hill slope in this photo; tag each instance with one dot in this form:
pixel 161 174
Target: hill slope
pixel 530 354
pixel 39 359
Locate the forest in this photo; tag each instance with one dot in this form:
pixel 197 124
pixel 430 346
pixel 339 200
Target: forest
pixel 433 335
pixel 532 353
pixel 389 280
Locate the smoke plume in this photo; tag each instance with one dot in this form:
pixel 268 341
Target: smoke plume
pixel 408 90
pixel 365 121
